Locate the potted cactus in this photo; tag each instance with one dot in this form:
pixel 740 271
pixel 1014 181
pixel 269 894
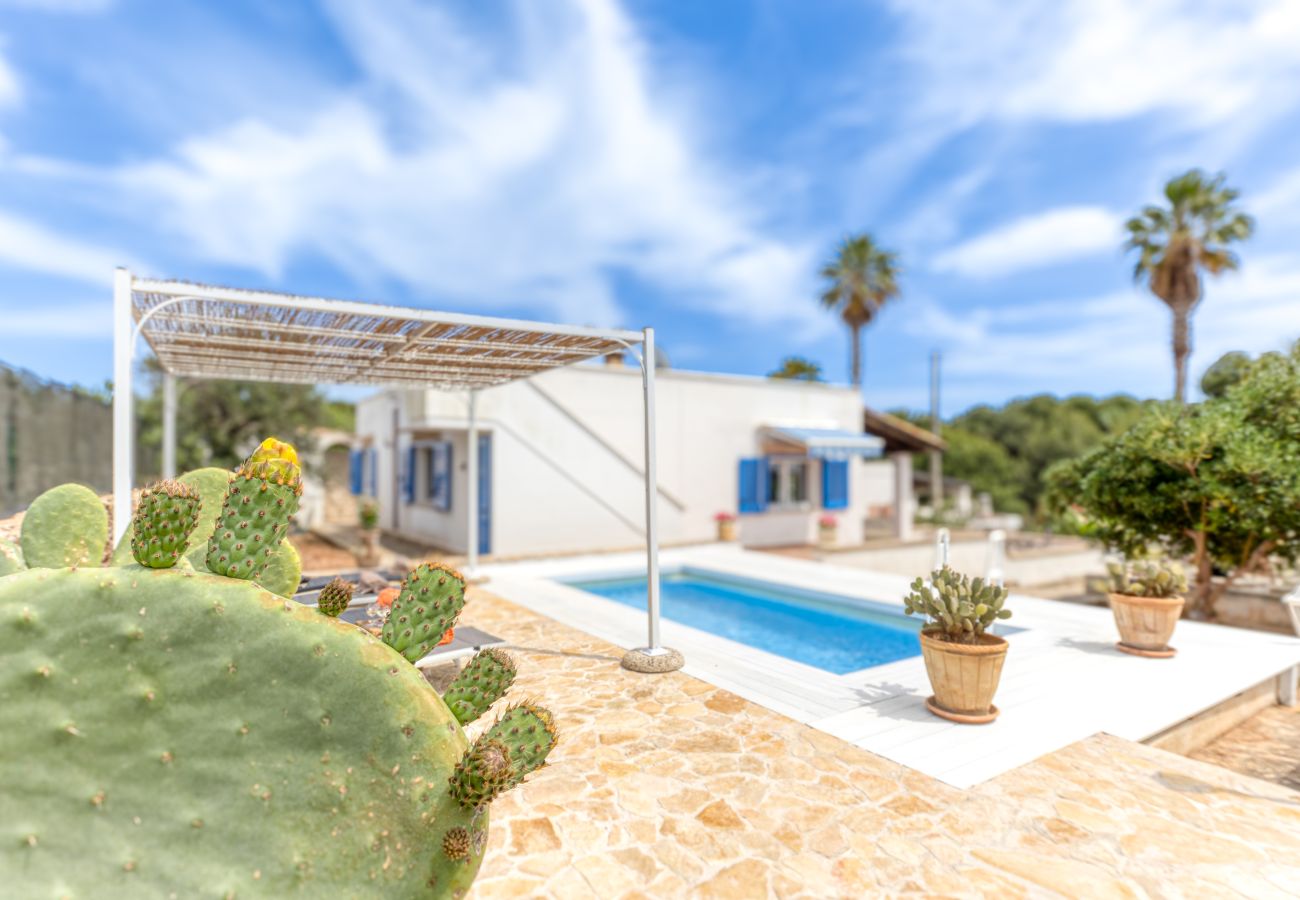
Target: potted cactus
pixel 172 726
pixel 963 660
pixel 1146 600
pixel 368 519
pixel 726 526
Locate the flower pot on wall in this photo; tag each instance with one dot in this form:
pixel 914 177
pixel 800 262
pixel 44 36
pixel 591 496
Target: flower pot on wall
pixel 1146 623
pixel 726 529
pixel 964 677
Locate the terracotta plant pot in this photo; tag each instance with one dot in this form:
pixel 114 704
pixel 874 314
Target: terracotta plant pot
pixel 727 530
pixel 1146 623
pixel 964 677
pixel 827 538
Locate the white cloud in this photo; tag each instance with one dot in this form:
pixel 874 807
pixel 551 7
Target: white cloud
pixel 31 247
pixel 10 89
pixel 1043 239
pixel 1101 60
pixel 522 167
pixel 86 321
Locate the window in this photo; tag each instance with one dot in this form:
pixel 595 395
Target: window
pixel 787 482
pixel 433 473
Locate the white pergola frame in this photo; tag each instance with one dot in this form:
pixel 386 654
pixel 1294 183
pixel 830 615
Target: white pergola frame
pixel 204 331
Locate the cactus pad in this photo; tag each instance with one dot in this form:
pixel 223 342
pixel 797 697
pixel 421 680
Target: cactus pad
pixel 65 526
pixel 163 520
pixel 504 755
pixel 283 571
pixel 11 557
pixel 484 681
pixel 335 597
pixel 259 504
pixel 166 731
pixel 431 598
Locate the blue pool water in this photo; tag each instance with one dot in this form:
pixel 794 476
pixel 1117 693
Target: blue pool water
pixel 808 628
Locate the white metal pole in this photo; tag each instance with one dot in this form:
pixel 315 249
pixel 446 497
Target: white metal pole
pixel 655 657
pixel 169 425
pixel 123 437
pixel 471 489
pixel 651 489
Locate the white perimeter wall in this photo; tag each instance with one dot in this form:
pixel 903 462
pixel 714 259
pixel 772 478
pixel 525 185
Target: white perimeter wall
pixel 568 457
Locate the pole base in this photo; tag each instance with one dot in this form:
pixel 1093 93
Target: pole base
pixel 653 660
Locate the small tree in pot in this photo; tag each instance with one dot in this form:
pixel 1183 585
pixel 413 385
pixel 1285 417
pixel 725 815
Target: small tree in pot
pixel 963 660
pixel 1146 598
pixel 368 519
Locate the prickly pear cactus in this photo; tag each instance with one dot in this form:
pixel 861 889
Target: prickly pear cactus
pixel 960 608
pixel 334 597
pixel 259 504
pixel 1146 578
pixel 65 526
pixel 172 732
pixel 11 558
pixel 431 598
pixel 163 520
pixel 484 681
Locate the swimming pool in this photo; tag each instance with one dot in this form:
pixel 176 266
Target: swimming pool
pixel 807 627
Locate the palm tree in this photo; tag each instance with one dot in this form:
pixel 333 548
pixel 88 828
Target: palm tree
pixel 860 278
pixel 798 369
pixel 1177 242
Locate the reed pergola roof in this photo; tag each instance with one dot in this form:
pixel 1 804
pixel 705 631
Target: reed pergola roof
pixel 205 331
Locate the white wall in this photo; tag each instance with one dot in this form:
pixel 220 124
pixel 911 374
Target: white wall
pixel 568 457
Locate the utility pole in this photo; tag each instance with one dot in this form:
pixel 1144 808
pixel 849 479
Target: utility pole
pixel 936 456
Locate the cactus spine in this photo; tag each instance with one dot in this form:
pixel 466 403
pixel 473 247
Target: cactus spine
pixel 959 608
pixel 484 681
pixel 255 515
pixel 335 597
pixel 431 598
pixel 167 514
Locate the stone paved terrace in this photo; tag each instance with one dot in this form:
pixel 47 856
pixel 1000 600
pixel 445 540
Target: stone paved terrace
pixel 665 786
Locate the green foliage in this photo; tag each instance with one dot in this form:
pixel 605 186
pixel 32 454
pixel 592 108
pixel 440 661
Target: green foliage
pixel 1218 481
pixel 161 526
pixel 65 526
pixel 1005 451
pixel 217 420
pixel 335 597
pixel 1224 372
pixel 958 607
pixel 796 368
pixel 431 598
pixel 484 681
pixel 368 514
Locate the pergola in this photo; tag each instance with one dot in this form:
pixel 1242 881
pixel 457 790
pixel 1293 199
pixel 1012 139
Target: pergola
pixel 204 331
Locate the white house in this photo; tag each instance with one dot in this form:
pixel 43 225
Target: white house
pixel 560 461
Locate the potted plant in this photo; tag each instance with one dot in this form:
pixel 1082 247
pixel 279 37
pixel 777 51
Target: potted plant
pixel 1146 598
pixel 726 526
pixel 368 519
pixel 963 660
pixel 827 526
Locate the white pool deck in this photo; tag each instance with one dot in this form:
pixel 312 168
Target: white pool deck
pixel 1063 679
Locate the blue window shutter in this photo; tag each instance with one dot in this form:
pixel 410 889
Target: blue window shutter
pixel 408 485
pixel 752 494
pixel 354 472
pixel 440 475
pixel 835 483
pixel 449 469
pixel 374 472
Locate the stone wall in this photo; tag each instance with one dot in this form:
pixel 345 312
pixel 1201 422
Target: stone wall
pixel 50 434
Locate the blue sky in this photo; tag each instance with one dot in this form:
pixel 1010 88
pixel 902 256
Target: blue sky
pixel 687 165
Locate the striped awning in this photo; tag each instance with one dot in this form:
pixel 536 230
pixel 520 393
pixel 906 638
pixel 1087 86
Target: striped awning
pixel 828 443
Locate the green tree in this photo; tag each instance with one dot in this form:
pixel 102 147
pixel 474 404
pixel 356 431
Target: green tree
pixel 1178 241
pixel 798 369
pixel 1218 481
pixel 218 422
pixel 1226 371
pixel 860 278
